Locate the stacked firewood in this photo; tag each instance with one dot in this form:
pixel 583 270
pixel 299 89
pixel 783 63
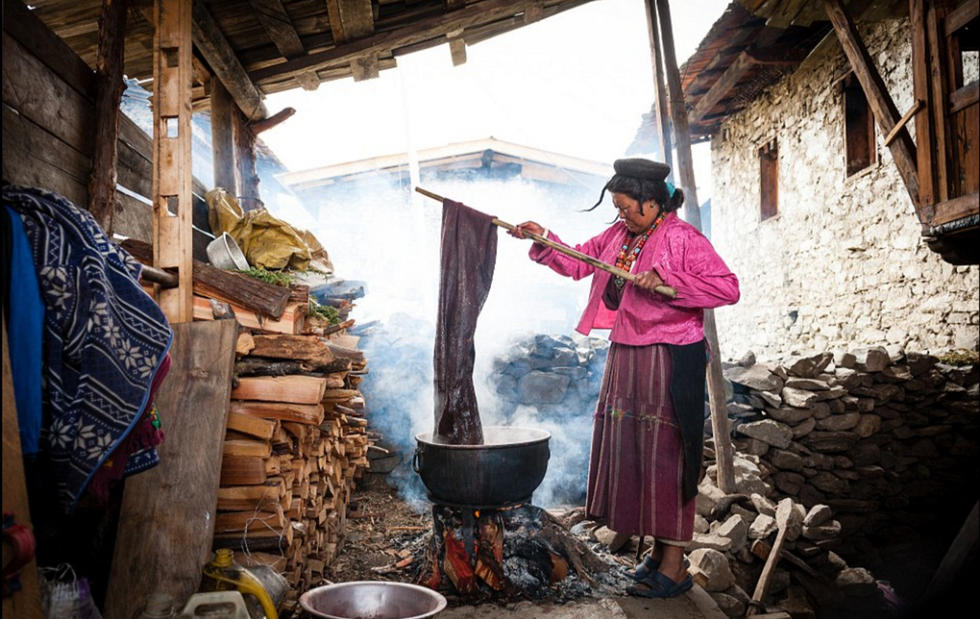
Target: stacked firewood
pixel 296 442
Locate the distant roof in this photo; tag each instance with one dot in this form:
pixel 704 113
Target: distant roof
pixel 533 164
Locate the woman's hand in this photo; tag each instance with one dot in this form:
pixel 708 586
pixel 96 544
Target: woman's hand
pixel 527 226
pixel 648 280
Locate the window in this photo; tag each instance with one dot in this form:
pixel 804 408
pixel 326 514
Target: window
pixel 769 175
pixel 859 128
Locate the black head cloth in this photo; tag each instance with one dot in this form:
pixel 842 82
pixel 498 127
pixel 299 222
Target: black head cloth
pixel 642 169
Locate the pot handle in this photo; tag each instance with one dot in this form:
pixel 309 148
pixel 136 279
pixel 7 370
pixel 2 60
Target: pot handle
pixel 417 459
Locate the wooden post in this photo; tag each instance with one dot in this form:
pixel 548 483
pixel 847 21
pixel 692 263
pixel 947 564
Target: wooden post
pixel 223 137
pixel 109 89
pixel 724 452
pixel 902 149
pixel 248 176
pixel 660 94
pixel 172 209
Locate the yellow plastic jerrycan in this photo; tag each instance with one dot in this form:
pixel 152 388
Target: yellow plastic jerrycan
pixel 223 574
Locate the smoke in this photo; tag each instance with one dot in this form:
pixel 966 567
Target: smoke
pixel 382 235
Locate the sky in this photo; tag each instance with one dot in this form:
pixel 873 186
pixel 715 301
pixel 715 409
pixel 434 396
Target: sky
pixel 575 83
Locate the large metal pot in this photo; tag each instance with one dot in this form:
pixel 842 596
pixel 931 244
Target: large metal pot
pixel 505 469
pixel 366 599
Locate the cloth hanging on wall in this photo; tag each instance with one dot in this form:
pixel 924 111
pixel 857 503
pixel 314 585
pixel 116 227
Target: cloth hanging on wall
pixel 25 340
pixel 104 337
pixel 469 253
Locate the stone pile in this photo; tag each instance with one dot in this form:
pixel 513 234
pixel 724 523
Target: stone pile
pixel 734 534
pixel 556 374
pixel 878 435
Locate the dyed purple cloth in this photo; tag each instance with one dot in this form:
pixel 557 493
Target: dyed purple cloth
pixel 468 256
pixel 682 257
pixel 636 471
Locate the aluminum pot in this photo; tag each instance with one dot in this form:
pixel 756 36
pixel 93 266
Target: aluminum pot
pixel 505 469
pixel 366 599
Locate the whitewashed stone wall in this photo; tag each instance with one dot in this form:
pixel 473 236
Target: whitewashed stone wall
pixel 843 263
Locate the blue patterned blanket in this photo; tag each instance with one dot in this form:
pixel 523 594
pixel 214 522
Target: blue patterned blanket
pixel 104 337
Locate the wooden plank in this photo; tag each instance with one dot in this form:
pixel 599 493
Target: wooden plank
pixel 167 513
pixel 660 93
pixel 724 452
pixel 254 426
pixel 243 470
pixel 350 19
pixel 365 67
pixel 961 16
pixel 290 389
pixel 213 45
pixel 109 89
pixel 721 89
pixel 902 122
pixel 457 50
pixel 957 208
pixel 937 81
pixel 222 138
pixel 964 129
pixel 231 522
pixel 278 26
pixel 964 97
pixel 26 602
pixel 300 413
pixel 246 448
pixel 924 129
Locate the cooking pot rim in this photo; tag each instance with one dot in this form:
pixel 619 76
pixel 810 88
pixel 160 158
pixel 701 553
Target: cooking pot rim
pixel 438 598
pixel 540 436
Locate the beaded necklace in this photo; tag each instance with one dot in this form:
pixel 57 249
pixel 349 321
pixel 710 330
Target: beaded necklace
pixel 627 256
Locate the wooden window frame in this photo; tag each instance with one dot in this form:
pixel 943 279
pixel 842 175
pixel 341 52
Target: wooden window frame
pixel 768 180
pixel 860 147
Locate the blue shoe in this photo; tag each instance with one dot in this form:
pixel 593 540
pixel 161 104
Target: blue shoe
pixel 648 566
pixel 660 586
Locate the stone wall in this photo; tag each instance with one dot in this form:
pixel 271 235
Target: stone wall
pixel 842 263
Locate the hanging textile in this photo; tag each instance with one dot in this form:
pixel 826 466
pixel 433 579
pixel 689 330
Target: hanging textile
pixel 468 256
pixel 104 337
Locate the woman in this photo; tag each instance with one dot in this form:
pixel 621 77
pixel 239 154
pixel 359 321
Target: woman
pixel 647 441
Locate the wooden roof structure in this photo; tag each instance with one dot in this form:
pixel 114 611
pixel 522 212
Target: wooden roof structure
pixel 750 47
pixel 258 47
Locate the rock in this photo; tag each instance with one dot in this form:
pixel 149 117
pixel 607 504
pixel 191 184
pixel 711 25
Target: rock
pixel 769 431
pixel 747 360
pixel 808 384
pixel 821 410
pixel 779 581
pixel 873 359
pixel 867 425
pixel 788 482
pixel 604 535
pixel 708 498
pixel 799 398
pixel 810 496
pixel 789 415
pixel 787 509
pixel 818 515
pixel 830 442
pixel 797 604
pixel 835 561
pixel 844 359
pixel 747 515
pixel 802 429
pixel 762 527
pixel 786 460
pixel 730 605
pixel 837 423
pixel 829 483
pixel 756 377
pixel 538 387
pixel 751 484
pixel 700 524
pixel 830 530
pixel 751 446
pixel 763 505
pixel 735 529
pixel 834 393
pixel 710 540
pixel 711 569
pixel 771 399
pixel 808 366
pixel 835 406
pixel 856 582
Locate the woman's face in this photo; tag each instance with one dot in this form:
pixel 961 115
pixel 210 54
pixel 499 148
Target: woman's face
pixel 629 212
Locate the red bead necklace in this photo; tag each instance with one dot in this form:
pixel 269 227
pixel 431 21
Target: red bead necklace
pixel 627 256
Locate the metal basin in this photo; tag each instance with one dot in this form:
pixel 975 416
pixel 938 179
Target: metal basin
pixel 367 599
pixel 505 469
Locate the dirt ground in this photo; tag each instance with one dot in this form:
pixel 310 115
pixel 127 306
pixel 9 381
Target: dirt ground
pixel 385 539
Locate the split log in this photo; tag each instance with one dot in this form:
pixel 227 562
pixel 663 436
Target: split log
pixel 301 413
pixel 230 522
pixel 296 347
pixel 256 366
pixel 290 389
pixel 251 425
pixel 244 470
pixel 259 449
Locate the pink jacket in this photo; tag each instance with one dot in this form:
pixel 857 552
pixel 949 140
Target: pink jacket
pixel 683 258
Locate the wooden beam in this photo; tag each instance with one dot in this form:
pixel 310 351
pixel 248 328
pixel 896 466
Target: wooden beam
pixel 924 128
pixel 223 137
pixel 365 67
pixel 902 122
pixel 720 90
pixel 724 452
pixel 224 62
pixel 268 123
pixel 425 29
pixel 457 49
pixel 109 89
pixel 453 5
pixel 902 149
pixel 350 19
pixel 172 199
pixel 167 515
pixel 961 16
pixel 956 208
pixel 283 34
pixel 660 93
pixel 248 175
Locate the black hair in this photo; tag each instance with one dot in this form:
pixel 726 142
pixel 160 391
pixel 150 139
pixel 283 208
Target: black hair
pixel 642 190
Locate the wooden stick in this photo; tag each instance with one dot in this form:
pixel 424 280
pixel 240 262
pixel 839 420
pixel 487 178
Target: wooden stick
pixel 783 514
pixel 667 291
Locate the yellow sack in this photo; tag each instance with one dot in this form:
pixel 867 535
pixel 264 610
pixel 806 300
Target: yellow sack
pixel 269 242
pixel 317 253
pixel 223 210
